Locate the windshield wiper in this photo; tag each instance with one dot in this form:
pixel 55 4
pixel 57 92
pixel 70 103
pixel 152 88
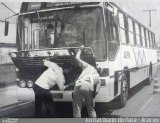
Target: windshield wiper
pixel 75 9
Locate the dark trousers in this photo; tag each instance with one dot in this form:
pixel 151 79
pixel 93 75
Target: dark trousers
pixel 43 96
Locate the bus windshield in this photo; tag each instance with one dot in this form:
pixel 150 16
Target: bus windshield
pixel 64 28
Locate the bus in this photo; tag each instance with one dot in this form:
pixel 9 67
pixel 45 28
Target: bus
pixel 119 45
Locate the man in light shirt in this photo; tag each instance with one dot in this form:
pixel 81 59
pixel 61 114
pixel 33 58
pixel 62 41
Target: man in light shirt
pixel 84 88
pixel 52 76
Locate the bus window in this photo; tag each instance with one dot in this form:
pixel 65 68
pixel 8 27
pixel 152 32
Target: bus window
pixel 70 29
pixel 153 40
pixel 140 35
pixel 148 36
pixel 137 34
pixel 111 24
pixel 143 38
pixel 122 28
pixel 23 30
pixel 131 33
pixel 112 31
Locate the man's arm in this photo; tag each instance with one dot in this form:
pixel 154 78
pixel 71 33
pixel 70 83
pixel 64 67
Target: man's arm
pixel 97 88
pixel 96 84
pixel 82 63
pixel 61 81
pixel 50 64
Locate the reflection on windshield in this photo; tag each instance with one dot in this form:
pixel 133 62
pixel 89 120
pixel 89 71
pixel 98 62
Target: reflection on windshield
pixel 69 29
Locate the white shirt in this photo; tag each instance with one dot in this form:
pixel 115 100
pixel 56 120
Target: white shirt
pixel 89 73
pixel 52 76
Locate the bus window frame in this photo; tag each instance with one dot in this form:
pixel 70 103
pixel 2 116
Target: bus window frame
pixel 145 36
pixel 130 31
pixel 137 34
pixel 154 44
pixel 107 39
pixel 141 28
pixel 121 28
pixel 140 35
pixel 71 7
pixel 134 32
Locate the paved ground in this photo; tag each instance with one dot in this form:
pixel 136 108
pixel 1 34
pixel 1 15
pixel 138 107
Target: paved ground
pixel 8 95
pixel 143 103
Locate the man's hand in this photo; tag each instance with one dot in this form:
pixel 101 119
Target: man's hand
pixel 95 91
pixel 44 60
pixel 71 84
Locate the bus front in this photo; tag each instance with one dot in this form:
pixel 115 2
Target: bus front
pixel 56 33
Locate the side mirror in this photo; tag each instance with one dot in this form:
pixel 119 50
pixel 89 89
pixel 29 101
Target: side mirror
pixel 6 28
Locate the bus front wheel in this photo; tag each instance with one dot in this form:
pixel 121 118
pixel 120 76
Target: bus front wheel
pixel 124 90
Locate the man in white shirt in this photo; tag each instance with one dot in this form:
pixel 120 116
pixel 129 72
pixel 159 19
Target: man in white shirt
pixel 84 88
pixel 52 76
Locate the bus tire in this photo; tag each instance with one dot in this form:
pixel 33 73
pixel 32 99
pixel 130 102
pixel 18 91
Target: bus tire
pixel 149 79
pixel 124 90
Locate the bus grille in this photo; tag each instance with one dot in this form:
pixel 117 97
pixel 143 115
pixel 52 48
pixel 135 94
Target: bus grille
pixel 21 62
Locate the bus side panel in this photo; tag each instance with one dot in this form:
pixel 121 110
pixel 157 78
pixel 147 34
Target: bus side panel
pixel 151 56
pixel 137 76
pixel 106 93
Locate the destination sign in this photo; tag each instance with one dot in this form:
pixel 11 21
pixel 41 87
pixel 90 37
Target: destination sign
pixel 42 18
pixel 30 6
pixel 56 4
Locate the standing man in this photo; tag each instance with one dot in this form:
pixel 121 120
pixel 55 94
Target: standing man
pixel 52 76
pixel 84 88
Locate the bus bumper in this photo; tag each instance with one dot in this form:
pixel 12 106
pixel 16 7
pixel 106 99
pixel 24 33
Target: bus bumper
pixel 25 94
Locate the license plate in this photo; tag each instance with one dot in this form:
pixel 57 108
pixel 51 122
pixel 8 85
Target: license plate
pixel 57 95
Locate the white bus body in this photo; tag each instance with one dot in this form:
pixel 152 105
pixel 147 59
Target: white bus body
pixel 131 51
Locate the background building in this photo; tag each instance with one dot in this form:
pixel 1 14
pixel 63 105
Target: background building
pixel 7 44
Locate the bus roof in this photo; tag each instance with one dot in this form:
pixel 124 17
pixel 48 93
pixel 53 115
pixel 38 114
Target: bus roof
pixel 33 6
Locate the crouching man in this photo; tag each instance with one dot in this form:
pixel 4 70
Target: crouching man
pixel 52 76
pixel 85 88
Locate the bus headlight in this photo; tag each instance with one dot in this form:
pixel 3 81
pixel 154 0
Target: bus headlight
pixel 30 84
pixel 13 55
pixel 22 83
